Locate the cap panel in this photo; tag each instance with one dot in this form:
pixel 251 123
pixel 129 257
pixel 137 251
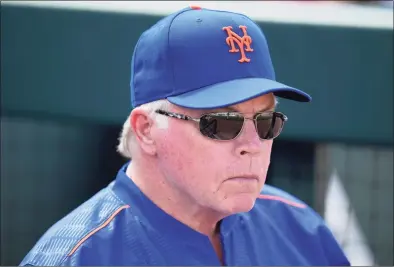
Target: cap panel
pixel 207 46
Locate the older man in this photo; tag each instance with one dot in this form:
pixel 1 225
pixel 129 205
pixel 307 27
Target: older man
pixel 200 136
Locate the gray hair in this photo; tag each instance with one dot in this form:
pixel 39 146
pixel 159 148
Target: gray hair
pixel 127 138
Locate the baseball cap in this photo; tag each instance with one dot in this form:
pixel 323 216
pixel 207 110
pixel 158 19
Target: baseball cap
pixel 202 59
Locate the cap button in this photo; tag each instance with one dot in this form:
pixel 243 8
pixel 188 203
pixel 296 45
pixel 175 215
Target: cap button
pixel 195 7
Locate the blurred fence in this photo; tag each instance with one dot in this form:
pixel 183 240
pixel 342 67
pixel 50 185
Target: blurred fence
pixel 64 80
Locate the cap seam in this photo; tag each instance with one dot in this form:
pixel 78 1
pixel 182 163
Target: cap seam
pixel 169 50
pixel 133 74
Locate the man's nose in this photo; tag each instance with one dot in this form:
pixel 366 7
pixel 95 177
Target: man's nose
pixel 248 141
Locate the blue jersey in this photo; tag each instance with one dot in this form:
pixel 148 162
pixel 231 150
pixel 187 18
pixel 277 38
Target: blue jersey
pixel 121 226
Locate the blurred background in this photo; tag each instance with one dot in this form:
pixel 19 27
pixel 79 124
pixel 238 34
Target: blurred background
pixel 65 70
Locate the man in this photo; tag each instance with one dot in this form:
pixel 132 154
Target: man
pixel 200 135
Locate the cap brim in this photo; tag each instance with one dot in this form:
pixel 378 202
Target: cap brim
pixel 236 91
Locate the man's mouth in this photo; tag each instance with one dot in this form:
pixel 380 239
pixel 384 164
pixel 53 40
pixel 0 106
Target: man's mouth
pixel 244 178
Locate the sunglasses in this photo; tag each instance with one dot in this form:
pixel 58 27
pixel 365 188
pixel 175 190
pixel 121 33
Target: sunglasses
pixel 228 125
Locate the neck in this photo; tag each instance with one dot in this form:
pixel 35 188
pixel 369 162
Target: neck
pixel 153 184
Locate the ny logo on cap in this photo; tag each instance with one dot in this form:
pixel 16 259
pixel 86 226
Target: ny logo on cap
pixel 243 43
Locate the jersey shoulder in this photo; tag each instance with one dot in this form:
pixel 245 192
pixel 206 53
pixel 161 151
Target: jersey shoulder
pixel 66 236
pixel 302 226
pixel 281 204
pixel 273 193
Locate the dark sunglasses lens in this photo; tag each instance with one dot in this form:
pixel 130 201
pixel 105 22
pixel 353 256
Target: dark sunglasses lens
pixel 269 126
pixel 221 127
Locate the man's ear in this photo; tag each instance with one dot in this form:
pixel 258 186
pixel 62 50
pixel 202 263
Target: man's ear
pixel 142 124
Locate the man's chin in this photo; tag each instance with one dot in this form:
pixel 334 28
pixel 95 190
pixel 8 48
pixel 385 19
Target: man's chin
pixel 239 203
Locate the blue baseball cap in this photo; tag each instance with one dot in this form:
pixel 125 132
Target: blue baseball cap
pixel 202 59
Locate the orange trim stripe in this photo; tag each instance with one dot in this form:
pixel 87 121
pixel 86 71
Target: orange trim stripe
pixel 98 228
pixel 291 203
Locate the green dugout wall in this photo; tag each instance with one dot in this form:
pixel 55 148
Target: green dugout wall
pixel 76 64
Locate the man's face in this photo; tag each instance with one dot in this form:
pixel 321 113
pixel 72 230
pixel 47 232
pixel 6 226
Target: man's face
pixel 224 176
